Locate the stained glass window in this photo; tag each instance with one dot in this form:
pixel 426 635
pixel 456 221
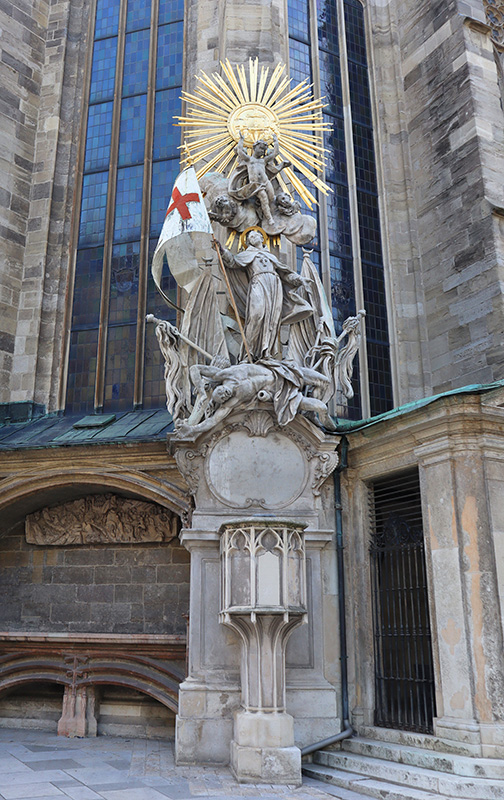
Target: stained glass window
pixel 93 208
pixel 112 259
pixel 169 55
pixel 107 18
pixel 340 262
pixel 103 70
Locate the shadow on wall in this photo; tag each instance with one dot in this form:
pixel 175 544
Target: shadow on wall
pixel 121 711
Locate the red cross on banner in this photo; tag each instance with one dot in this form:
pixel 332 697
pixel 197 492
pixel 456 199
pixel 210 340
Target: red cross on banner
pixel 185 235
pixel 180 201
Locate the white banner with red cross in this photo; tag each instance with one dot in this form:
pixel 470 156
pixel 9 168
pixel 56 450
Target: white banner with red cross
pixel 186 233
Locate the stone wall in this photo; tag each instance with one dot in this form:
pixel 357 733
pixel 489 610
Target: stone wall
pixel 24 26
pixel 97 589
pixel 440 129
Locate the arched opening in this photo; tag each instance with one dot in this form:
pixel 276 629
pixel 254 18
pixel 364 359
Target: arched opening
pixel 117 710
pixel 33 705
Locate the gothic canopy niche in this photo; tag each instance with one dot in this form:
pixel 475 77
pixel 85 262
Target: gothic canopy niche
pixel 101 519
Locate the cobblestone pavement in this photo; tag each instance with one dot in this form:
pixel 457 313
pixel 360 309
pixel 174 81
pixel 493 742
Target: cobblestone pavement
pixel 41 766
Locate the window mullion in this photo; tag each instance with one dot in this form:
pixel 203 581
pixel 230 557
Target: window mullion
pixel 325 262
pixel 101 356
pixel 354 212
pixel 77 198
pixel 146 211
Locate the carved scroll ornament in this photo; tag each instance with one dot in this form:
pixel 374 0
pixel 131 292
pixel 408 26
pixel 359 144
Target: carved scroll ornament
pixel 100 519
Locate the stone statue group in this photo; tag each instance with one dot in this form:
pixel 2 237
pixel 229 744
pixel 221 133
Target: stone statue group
pixel 275 345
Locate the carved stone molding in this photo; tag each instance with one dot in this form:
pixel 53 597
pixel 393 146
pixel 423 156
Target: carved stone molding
pixel 101 519
pixel 254 465
pixel 494 10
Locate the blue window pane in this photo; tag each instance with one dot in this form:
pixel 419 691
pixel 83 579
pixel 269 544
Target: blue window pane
pixel 334 142
pixel 94 202
pixel 330 83
pixel 87 287
pixel 99 130
pixel 342 290
pixel 359 94
pixel 128 212
pixel 169 55
pixel 107 18
pixel 355 32
pixel 299 19
pixel 103 70
pixel 374 296
pixel 82 371
pixel 170 11
pixel 125 266
pixel 328 25
pixel 136 62
pixel 338 217
pixel 163 178
pixel 299 61
pixel 132 130
pixel 166 134
pixel 380 382
pixel 138 15
pixel 120 367
pixel 364 159
pixel 370 237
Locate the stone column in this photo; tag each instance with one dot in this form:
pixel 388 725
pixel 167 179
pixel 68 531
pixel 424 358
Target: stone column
pixel 465 615
pixel 79 712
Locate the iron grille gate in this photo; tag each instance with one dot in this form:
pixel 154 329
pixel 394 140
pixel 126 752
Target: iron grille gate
pixel 404 680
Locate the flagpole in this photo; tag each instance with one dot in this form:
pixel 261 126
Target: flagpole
pixel 231 297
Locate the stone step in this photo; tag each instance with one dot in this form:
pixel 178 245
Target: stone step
pixel 426 741
pixel 351 786
pixel 411 776
pixel 492 768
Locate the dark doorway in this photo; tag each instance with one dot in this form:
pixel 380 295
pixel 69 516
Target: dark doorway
pixel 404 679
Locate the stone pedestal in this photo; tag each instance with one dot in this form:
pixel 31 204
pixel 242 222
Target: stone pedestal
pixel 262 750
pixel 258 492
pixel 78 717
pixel 263 570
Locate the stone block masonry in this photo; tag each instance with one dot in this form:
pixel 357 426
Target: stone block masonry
pixel 456 144
pixel 93 589
pixel 23 28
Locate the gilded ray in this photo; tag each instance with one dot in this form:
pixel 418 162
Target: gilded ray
pixel 259 104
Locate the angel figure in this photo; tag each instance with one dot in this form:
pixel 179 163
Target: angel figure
pixel 257 170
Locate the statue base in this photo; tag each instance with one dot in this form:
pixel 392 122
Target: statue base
pixel 263 751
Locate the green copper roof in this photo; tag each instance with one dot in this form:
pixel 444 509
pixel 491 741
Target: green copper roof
pixel 52 430
pixel 349 426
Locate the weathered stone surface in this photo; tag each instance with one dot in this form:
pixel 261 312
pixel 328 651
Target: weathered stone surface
pixel 100 519
pixel 91 588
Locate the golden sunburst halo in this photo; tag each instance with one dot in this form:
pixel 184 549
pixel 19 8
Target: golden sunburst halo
pixel 259 106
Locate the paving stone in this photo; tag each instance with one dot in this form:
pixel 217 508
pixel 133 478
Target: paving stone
pixel 22 777
pixel 82 793
pixel 117 786
pixel 57 763
pixel 28 791
pixel 144 793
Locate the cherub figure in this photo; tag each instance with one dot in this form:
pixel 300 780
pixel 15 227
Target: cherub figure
pixel 257 169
